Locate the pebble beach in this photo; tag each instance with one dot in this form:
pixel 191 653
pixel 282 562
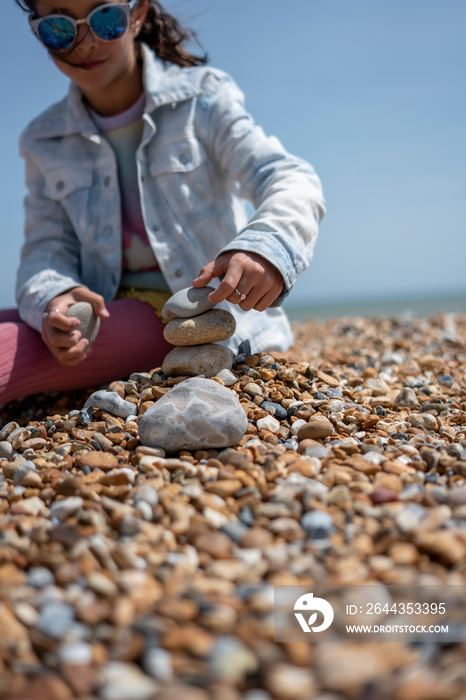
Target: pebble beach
pixel 128 572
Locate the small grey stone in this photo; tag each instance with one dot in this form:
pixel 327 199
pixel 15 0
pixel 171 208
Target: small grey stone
pixel 410 517
pixel 158 663
pixel 55 619
pixel 210 327
pixel 411 492
pixel 379 387
pixel 66 507
pixel 85 416
pixel 196 414
pixel 121 681
pixel 8 429
pixel 235 529
pixel 406 399
pixel 40 577
pixel 318 524
pixel 22 470
pixel 230 660
pixel 291 444
pixel 227 377
pixel 90 323
pixel 78 652
pixel 319 451
pixel 445 380
pixel 257 694
pixel 141 377
pixel 335 405
pixel 275 409
pixel 268 423
pixel 6 450
pixel 247 517
pixel 16 433
pixel 250 371
pixel 208 359
pixel 146 494
pixel 111 402
pixel 188 302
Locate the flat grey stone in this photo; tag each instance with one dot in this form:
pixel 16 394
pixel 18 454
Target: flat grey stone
pixel 111 402
pixel 208 359
pixel 196 414
pixel 209 327
pixel 90 323
pixel 188 302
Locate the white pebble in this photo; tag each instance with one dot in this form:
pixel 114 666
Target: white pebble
pixel 297 425
pixel 268 423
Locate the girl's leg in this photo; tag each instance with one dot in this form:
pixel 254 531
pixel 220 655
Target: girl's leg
pixel 131 340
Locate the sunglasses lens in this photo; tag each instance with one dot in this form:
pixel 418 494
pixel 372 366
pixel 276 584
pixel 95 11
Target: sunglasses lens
pixel 56 33
pixel 109 23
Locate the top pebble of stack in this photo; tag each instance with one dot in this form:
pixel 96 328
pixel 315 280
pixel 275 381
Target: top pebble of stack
pixel 188 302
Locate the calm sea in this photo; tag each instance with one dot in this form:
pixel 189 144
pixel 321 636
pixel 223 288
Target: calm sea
pixel 388 307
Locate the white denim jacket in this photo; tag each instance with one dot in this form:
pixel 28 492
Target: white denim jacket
pixel 200 157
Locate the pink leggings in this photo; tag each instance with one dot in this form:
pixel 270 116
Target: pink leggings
pixel 131 340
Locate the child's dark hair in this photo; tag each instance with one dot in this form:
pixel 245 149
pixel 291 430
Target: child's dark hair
pixel 161 32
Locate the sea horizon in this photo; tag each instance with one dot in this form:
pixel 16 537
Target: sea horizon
pixel 413 306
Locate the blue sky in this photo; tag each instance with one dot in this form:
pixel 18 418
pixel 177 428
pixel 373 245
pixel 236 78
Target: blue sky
pixel 371 92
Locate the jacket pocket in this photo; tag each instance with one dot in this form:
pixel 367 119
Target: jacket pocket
pixel 62 182
pixel 72 190
pixel 179 157
pixel 182 172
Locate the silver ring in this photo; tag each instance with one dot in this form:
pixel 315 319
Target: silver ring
pixel 46 314
pixel 241 296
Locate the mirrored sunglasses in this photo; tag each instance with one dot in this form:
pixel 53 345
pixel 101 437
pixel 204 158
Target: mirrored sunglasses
pixel 107 22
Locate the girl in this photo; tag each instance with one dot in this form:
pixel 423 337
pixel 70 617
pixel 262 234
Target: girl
pixel 136 181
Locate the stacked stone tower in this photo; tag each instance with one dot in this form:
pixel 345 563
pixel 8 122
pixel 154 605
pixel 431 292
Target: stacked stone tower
pixel 196 328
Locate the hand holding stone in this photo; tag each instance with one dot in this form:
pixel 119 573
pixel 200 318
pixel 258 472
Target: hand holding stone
pixel 61 333
pixel 248 279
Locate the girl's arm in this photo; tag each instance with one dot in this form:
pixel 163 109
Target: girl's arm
pixel 48 277
pixel 278 241
pixel 50 257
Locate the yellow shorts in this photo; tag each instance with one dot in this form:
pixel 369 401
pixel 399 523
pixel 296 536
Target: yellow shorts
pixel 156 299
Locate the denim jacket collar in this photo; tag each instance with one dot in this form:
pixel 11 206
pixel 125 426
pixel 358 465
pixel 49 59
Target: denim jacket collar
pixel 164 83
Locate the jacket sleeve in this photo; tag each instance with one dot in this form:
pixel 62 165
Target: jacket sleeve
pixel 50 257
pixel 284 189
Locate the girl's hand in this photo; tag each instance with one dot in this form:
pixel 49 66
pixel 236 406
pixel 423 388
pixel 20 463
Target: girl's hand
pixel 242 274
pixel 60 333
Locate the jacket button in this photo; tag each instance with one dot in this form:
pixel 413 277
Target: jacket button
pixel 179 272
pixel 155 226
pixel 185 158
pixel 107 180
pixel 107 231
pixel 60 185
